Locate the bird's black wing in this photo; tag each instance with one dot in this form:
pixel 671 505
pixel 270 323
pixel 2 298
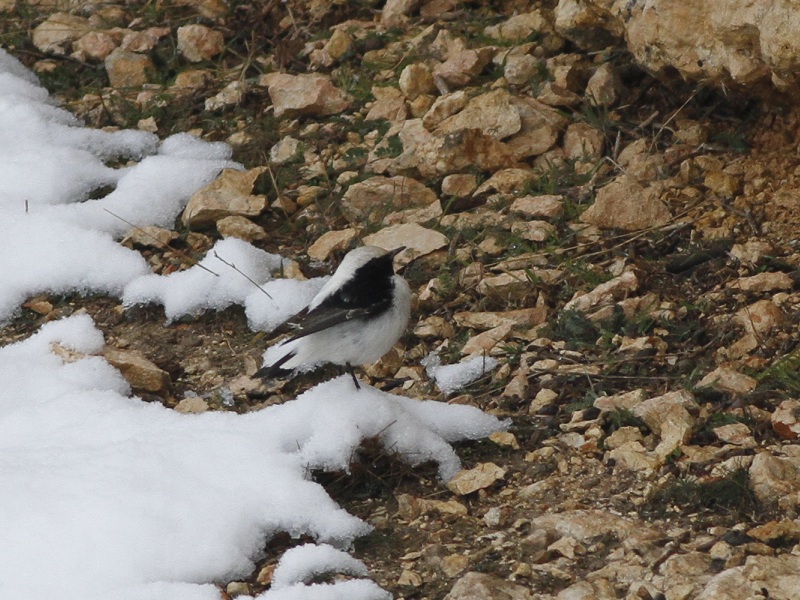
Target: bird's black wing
pixel 333 313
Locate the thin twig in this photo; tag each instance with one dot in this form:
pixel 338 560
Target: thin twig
pixel 162 244
pixel 240 272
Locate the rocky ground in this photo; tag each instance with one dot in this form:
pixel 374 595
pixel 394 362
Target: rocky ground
pixel 624 245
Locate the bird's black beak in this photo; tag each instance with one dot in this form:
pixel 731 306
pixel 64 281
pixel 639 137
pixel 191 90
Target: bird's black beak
pixel 396 251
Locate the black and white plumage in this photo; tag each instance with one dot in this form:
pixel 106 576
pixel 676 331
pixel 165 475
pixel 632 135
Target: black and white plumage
pixel 356 318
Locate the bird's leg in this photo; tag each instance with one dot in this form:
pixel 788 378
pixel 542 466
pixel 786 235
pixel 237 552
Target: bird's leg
pixel 353 375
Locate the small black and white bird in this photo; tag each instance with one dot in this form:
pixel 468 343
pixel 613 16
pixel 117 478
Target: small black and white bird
pixel 356 318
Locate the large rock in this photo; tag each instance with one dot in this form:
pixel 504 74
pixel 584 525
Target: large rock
pixel 227 195
pixel 626 204
pixel 56 34
pixel 739 43
pixel 371 200
pixel 481 586
pixel 304 95
pixel 776 577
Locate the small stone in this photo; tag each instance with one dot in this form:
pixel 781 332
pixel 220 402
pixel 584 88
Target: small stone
pixel 418 240
pixel 330 242
pixel 149 236
pixel 443 107
pixel 519 27
pixel 493 113
pixel 785 531
pixel 95 45
pixel 231 95
pixel 141 373
pixel 625 204
pixel 726 379
pixel 416 79
pixel 198 42
pixel 434 327
pixel 128 69
pixel 39 306
pixel 237 588
pixel 507 181
pixel 482 586
pixel 670 416
pixel 390 104
pixel 240 227
pixel 605 293
pixel 622 436
pixel 372 199
pixel 505 438
pixel 454 564
pixel 227 195
pixel 547 206
pixel 482 476
pixel 288 149
pixel 144 41
pixel 786 419
pixel 304 95
pixel 512 285
pixel 584 142
pixel 775 479
pixel 520 70
pixel 56 34
pixel 534 231
pixel 462 65
pixel 737 434
pixel 761 317
pixel 192 405
pixel 409 578
pixel 605 86
pixel 763 282
pixel 723 184
pixel 459 185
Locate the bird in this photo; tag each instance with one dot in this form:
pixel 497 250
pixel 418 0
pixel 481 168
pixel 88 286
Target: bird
pixel 355 318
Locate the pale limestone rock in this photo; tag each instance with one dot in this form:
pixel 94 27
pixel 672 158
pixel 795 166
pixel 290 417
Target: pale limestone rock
pixel 229 194
pixel 634 457
pixel 585 526
pixel 198 42
pixel 523 317
pixel 605 86
pixel 583 142
pixel 192 405
pixel 519 70
pixel 240 227
pixel 459 185
pixel 418 240
pixel 625 204
pixel 534 231
pixel 553 94
pixel 599 589
pixel 484 342
pixel 748 45
pixel 373 198
pixel 443 107
pixel 513 285
pixel 605 293
pixel 507 181
pixel 520 26
pixel 416 79
pixel 95 45
pixel 330 242
pixel 547 206
pixel 128 69
pixel 482 476
pixel 191 80
pixel 540 128
pixel 737 434
pixel 304 95
pixel 434 327
pixel 622 436
pixel 763 282
pixel 149 236
pixel 723 184
pixel 231 95
pixel 761 317
pixel 625 400
pixel 492 112
pixel 454 564
pixel 395 12
pixel 286 150
pixel 773 531
pixel 727 379
pixel 462 65
pixel 776 577
pixel 56 34
pixel 390 104
pixel 786 419
pixel 671 417
pixel 141 373
pixel 776 479
pixel 482 586
pixel 339 44
pixel 143 41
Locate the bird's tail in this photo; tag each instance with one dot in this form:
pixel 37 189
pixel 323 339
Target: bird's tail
pixel 275 369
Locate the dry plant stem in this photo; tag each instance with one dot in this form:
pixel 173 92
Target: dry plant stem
pixel 163 245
